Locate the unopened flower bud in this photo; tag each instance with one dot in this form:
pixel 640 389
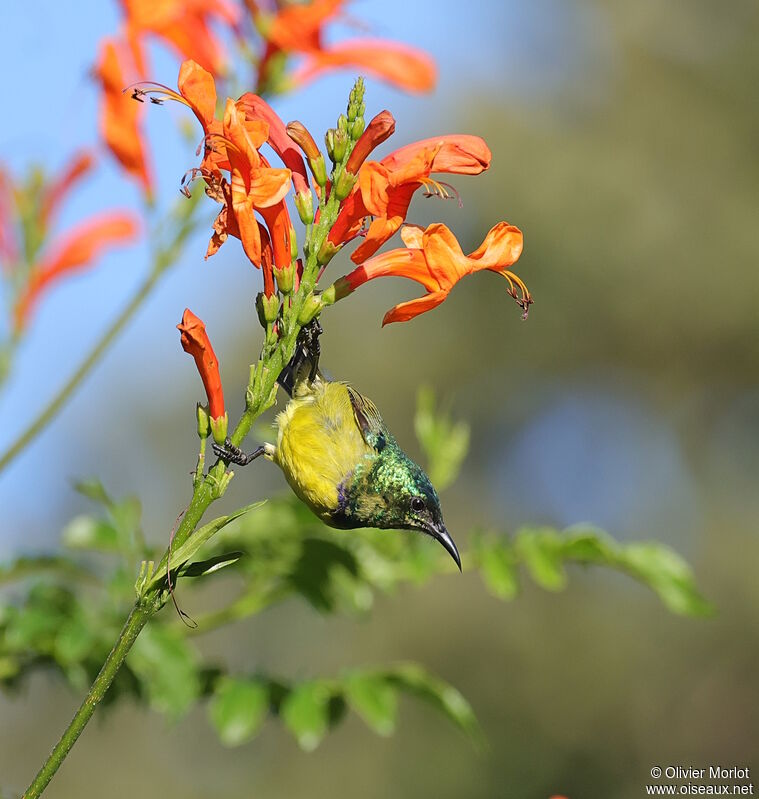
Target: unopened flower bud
pixel 319 170
pixel 268 308
pixel 219 428
pixel 204 421
pixel 285 278
pixel 344 183
pixel 342 123
pixel 337 291
pixel 312 307
pixel 357 128
pixel 327 252
pixel 381 127
pixel 305 204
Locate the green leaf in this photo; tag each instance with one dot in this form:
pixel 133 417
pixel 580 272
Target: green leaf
pixel 541 551
pixel 202 567
pixel 182 554
pixel 22 568
pixel 445 443
pixel 306 713
pixel 374 699
pixel 238 709
pixel 166 666
pixel 416 680
pixel 498 565
pixel 86 532
pixel 668 575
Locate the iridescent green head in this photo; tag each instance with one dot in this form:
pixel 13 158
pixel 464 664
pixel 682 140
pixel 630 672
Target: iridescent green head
pixel 392 492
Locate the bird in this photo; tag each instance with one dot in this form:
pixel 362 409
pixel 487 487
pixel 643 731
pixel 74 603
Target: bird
pixel 339 457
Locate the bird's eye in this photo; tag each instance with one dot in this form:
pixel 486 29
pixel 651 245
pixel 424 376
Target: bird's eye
pixel 417 504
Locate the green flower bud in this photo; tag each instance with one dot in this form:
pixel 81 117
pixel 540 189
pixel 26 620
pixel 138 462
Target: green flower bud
pixel 204 421
pixel 285 278
pixel 268 308
pixel 342 123
pixel 219 428
pixel 312 307
pixel 329 141
pixel 327 252
pixel 357 128
pixel 305 205
pixel 319 170
pixel 343 185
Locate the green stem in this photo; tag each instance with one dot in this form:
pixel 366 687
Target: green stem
pixel 137 619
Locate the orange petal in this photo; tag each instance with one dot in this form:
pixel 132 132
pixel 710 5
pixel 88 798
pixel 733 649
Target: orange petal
pixel 119 117
pixel 459 154
pixel 197 86
pixel 268 186
pixel 397 64
pixel 445 258
pixel 381 127
pixel 381 229
pixel 278 221
pixel 76 251
pixel 256 107
pixel 408 310
pixel 501 248
pixel 373 181
pixel 297 27
pixel 394 263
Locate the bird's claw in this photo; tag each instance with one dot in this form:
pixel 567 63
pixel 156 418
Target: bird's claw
pixel 233 454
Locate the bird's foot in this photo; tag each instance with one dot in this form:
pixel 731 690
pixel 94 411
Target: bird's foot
pixel 233 454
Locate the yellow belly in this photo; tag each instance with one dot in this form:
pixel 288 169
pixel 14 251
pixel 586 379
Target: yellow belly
pixel 319 445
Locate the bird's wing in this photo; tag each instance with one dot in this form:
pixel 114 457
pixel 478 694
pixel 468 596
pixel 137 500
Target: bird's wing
pixel 368 420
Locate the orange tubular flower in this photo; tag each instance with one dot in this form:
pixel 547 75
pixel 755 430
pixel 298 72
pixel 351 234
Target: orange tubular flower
pixel 119 116
pixel 75 252
pixel 385 188
pixel 434 259
pixel 195 342
pixel 253 184
pixel 183 24
pixel 298 28
pixel 400 65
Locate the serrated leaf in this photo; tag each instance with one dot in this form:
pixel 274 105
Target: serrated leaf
pixel 86 532
pixel 306 713
pixel 238 709
pixel 374 699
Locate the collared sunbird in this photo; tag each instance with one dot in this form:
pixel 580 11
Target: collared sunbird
pixel 341 460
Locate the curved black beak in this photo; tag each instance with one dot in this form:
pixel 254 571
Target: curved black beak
pixel 439 533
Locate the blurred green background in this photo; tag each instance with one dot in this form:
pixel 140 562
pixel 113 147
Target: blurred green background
pixel 624 138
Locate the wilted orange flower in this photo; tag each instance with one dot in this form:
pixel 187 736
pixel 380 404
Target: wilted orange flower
pixel 195 341
pixel 119 116
pixel 185 25
pixel 434 259
pixel 297 28
pixel 385 188
pixel 74 252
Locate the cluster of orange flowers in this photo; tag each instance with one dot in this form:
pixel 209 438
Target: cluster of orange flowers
pixel 375 197
pixel 287 30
